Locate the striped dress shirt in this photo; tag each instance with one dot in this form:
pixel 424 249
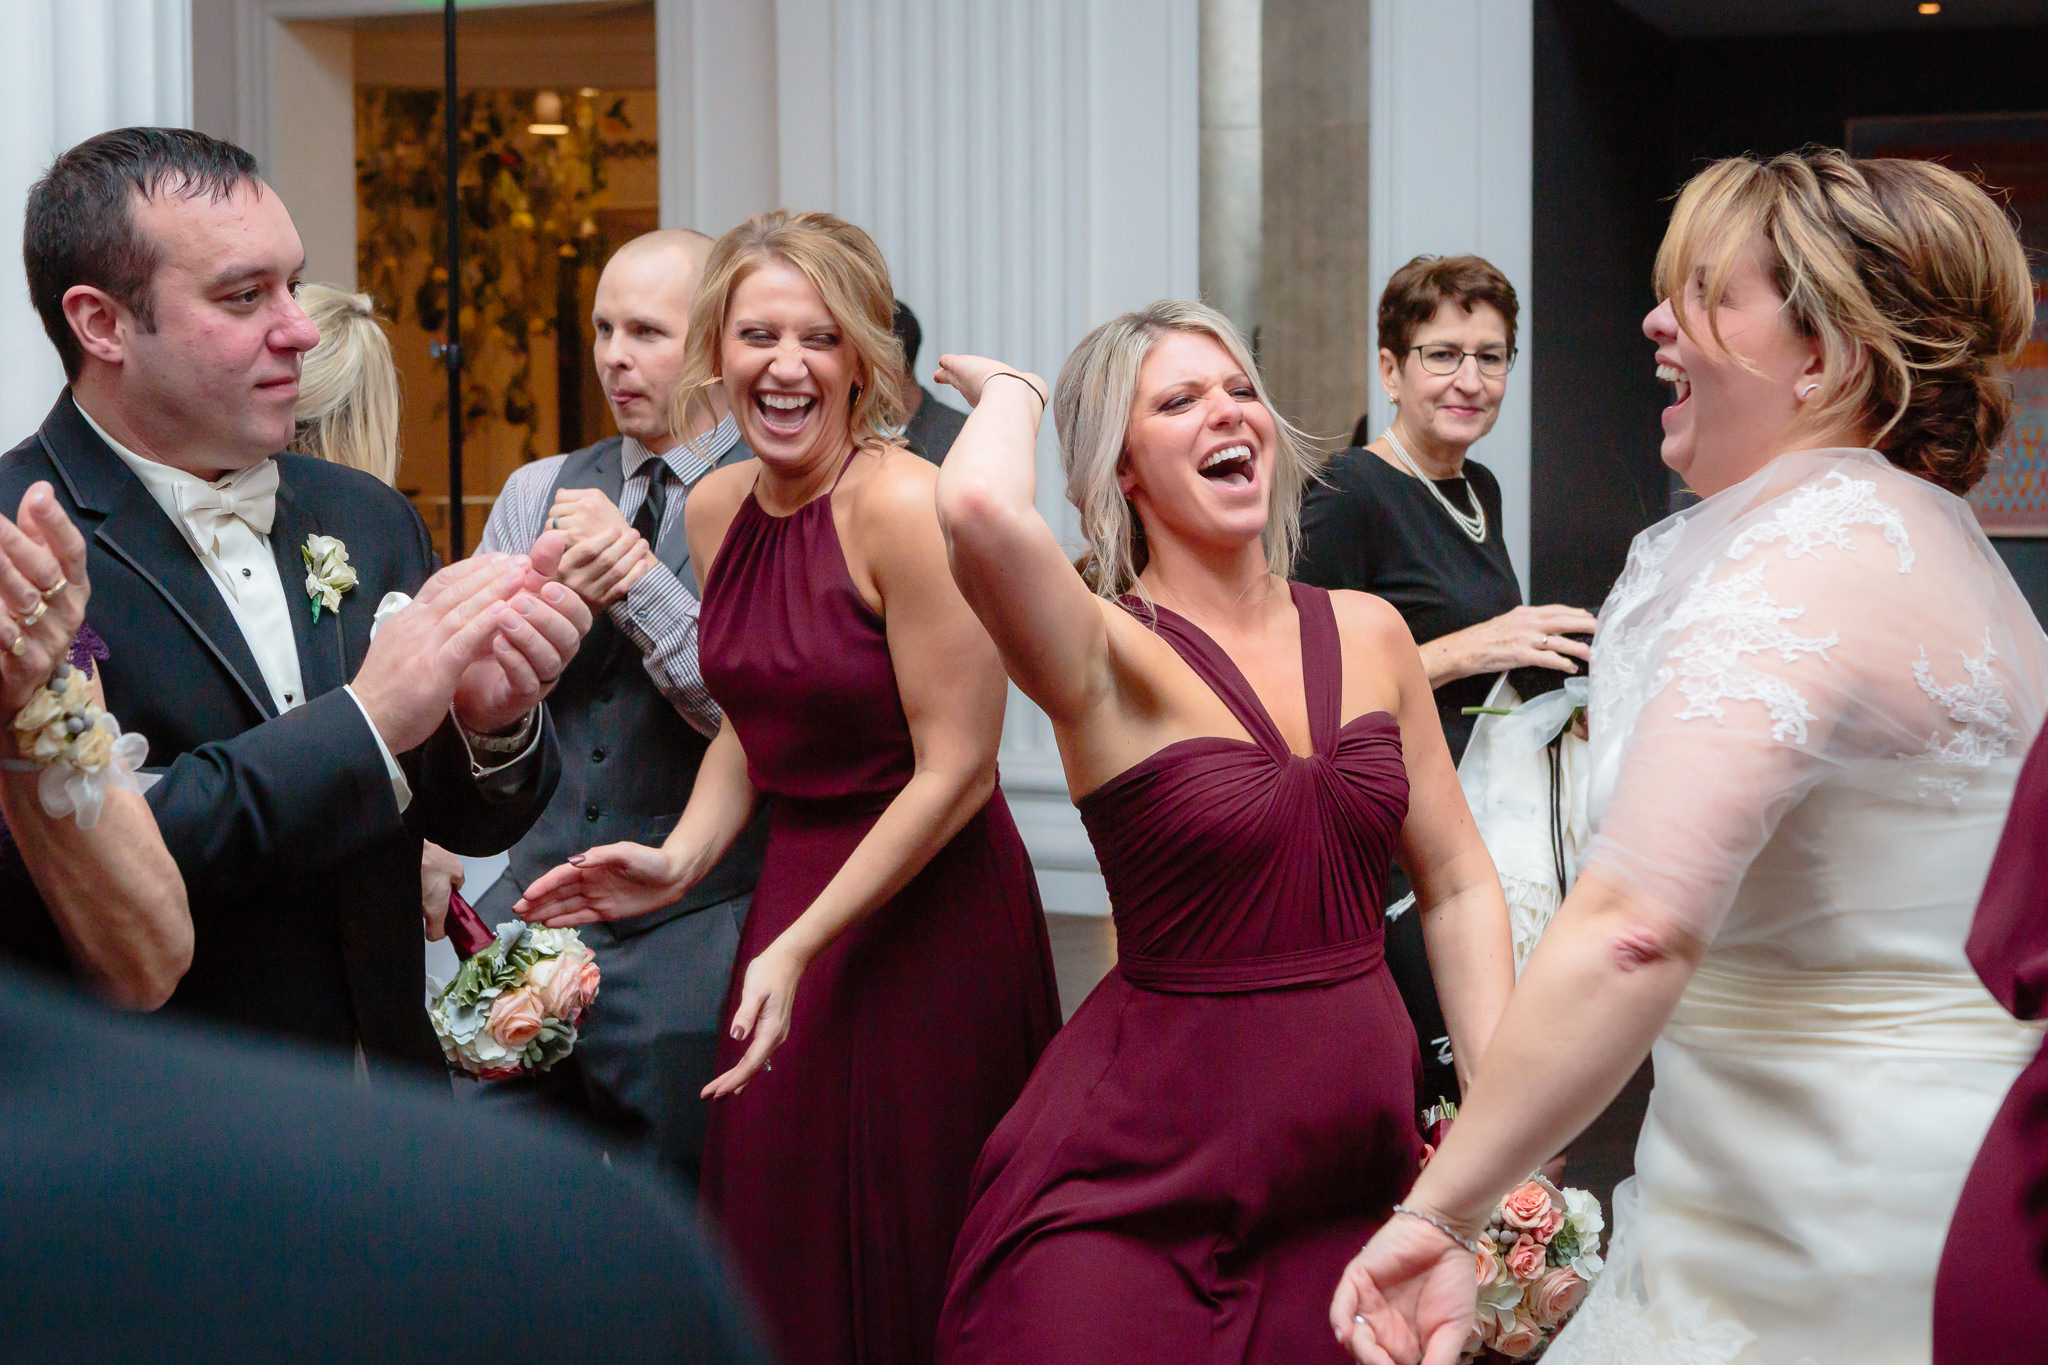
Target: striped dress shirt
pixel 658 613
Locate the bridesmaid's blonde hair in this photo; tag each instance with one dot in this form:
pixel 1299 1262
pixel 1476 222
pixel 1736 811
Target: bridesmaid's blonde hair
pixel 846 268
pixel 1091 407
pixel 348 386
pixel 1908 274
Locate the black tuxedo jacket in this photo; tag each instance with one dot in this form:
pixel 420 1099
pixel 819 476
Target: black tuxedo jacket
pixel 303 877
pixel 183 1200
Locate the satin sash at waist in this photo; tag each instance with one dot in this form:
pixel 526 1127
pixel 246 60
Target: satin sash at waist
pixel 1233 975
pixel 1728 1008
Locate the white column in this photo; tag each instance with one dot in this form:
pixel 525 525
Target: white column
pixel 717 93
pixel 70 69
pixel 1030 171
pixel 1452 142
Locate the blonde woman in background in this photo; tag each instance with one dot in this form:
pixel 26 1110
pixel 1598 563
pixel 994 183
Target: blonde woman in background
pixel 347 413
pixel 348 385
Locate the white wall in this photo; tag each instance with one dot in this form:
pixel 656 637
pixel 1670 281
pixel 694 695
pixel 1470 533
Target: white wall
pixel 1029 170
pixel 1452 141
pixel 70 69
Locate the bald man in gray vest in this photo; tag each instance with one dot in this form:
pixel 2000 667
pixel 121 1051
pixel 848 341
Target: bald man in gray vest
pixel 633 715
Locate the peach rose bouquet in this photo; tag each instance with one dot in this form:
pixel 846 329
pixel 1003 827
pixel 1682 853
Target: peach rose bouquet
pixel 1538 1257
pixel 514 1004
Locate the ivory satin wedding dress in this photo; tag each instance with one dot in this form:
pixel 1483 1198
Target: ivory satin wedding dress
pixel 1810 697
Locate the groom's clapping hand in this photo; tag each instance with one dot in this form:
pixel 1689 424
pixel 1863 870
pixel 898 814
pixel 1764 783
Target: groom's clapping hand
pixel 417 658
pixel 539 628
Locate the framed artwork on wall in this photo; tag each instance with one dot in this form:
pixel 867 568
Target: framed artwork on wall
pixel 2008 153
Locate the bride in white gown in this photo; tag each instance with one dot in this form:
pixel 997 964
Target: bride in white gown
pixel 1811 693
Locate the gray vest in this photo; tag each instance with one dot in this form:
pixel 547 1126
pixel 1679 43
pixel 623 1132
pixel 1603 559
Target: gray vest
pixel 628 760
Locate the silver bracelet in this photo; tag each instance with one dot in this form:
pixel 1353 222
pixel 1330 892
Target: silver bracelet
pixel 1441 1226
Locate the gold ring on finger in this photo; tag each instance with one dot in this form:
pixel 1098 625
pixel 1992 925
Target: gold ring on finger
pixel 34 615
pixel 55 588
pixel 20 645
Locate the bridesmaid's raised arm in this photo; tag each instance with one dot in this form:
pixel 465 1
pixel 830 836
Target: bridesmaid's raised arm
pixel 1048 626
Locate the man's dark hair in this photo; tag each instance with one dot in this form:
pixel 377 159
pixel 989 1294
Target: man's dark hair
pixel 909 333
pixel 80 229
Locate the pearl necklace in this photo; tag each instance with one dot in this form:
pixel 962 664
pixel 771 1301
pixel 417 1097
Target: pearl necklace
pixel 1472 523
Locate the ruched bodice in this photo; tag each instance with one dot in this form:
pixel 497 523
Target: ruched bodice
pixel 1232 1112
pixel 817 723
pixel 1219 848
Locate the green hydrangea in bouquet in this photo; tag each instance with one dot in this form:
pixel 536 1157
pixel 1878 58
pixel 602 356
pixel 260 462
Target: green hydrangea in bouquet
pixel 515 1002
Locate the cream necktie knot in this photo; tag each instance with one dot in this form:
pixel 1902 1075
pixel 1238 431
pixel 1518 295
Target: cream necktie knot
pixel 250 495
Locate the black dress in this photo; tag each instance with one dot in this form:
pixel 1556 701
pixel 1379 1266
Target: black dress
pixel 1374 528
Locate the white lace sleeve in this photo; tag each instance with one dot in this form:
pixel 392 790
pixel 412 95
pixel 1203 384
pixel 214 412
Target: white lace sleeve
pixel 1829 617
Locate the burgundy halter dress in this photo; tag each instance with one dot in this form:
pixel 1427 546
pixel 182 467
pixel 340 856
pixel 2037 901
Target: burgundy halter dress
pixel 1231 1113
pixel 840 1177
pixel 1991 1295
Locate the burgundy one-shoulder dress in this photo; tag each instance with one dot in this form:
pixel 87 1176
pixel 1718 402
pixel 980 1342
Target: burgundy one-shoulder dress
pixel 840 1177
pixel 1991 1295
pixel 1231 1113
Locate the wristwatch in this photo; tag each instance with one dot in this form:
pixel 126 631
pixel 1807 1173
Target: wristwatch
pixel 503 746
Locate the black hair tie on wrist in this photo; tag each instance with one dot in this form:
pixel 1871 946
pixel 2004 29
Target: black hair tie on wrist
pixel 1022 380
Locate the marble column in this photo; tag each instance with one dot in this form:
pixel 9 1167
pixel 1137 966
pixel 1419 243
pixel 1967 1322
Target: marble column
pixel 69 69
pixel 1232 158
pixel 1317 293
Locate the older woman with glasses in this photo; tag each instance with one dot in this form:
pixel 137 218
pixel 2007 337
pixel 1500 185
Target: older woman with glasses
pixel 1410 518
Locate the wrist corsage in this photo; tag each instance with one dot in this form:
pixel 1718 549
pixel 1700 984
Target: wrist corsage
pixel 78 747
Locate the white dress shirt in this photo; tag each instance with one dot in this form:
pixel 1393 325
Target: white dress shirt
pixel 242 567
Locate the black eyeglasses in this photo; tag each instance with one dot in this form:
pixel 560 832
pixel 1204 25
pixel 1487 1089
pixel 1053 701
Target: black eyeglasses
pixel 1494 361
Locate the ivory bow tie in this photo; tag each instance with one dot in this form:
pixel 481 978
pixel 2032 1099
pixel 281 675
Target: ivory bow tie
pixel 250 495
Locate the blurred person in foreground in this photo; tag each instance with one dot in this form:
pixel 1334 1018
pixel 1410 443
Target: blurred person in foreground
pixel 176 1197
pixel 1810 697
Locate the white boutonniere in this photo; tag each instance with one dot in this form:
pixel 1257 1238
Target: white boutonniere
pixel 328 573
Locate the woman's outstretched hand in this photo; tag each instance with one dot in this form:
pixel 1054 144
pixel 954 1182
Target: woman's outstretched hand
pixel 968 373
pixel 1408 1297
pixel 616 881
pixel 767 995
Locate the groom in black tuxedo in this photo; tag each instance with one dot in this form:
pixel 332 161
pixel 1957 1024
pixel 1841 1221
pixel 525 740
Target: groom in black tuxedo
pixel 302 763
